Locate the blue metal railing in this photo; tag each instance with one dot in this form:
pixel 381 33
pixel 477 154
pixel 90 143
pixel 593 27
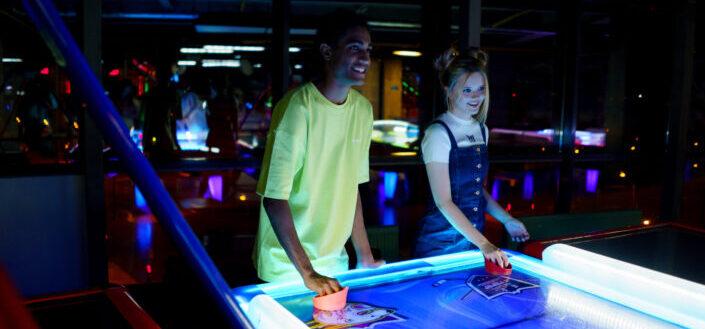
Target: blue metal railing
pixel 103 112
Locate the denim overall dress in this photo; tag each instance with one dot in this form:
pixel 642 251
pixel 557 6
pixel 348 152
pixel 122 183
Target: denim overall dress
pixel 467 168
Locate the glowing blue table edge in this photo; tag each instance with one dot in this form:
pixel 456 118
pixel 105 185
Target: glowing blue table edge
pixel 411 269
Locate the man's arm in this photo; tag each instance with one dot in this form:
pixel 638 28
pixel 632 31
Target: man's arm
pixel 360 241
pixel 282 222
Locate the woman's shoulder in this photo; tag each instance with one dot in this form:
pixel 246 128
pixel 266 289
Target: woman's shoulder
pixel 435 127
pixel 436 131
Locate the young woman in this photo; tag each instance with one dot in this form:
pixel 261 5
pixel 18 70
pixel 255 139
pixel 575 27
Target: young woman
pixel 455 153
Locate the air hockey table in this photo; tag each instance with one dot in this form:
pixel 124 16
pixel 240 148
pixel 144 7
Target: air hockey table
pixel 671 248
pixel 570 288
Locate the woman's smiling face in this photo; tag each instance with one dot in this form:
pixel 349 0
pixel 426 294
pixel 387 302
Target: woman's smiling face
pixel 466 98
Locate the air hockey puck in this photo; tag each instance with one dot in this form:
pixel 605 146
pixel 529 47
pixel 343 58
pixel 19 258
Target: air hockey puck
pixel 331 302
pixel 495 269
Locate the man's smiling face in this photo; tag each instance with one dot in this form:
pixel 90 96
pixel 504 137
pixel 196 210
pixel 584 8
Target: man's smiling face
pixel 350 58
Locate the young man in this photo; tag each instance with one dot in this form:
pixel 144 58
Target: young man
pixel 316 155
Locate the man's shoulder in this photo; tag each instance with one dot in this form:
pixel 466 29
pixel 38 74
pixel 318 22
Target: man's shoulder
pixel 358 99
pixel 361 104
pixel 298 98
pixel 298 94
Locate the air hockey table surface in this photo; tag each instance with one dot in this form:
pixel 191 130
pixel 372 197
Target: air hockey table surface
pixel 584 290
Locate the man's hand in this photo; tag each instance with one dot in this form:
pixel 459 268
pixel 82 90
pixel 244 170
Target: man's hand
pixel 516 230
pixel 323 285
pixel 370 265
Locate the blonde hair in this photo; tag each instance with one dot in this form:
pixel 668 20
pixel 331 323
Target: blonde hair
pixel 453 64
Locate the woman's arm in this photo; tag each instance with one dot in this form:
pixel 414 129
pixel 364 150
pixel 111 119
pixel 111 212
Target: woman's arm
pixel 439 180
pixel 515 228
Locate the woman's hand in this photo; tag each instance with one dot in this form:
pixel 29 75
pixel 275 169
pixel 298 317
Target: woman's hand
pixel 516 230
pixel 495 255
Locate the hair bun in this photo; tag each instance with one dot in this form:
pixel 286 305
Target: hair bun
pixel 452 60
pixel 444 61
pixel 478 55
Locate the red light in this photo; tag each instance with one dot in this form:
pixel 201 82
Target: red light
pixel 114 72
pixel 68 87
pixel 533 206
pixel 140 85
pixel 514 95
pixel 44 71
pixel 509 206
pixel 149 269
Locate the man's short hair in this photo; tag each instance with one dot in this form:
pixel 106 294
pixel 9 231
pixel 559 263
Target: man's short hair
pixel 333 26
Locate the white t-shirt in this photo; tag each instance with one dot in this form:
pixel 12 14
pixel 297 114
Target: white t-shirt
pixel 435 146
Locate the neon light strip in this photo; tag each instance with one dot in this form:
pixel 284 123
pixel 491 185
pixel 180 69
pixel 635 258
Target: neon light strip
pixel 400 25
pixel 248 30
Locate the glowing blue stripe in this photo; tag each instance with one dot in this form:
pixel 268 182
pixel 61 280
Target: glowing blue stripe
pixel 152 16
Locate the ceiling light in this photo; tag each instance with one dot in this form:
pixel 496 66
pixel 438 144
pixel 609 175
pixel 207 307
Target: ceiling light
pixel 220 63
pixel 407 53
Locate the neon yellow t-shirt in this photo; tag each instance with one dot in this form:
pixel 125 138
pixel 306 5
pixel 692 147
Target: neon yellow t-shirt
pixel 316 155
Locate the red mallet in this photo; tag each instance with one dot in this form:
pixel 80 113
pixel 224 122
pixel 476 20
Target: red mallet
pixel 331 302
pixel 495 269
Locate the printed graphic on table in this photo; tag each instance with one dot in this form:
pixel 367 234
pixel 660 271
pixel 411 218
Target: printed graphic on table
pixel 491 286
pixel 355 315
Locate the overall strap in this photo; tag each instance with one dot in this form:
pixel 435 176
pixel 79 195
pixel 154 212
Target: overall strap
pixel 453 143
pixel 482 129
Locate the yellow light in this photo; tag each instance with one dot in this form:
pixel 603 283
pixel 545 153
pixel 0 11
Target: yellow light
pixel 543 149
pixel 695 144
pixel 695 165
pixel 46 122
pixel 646 222
pixel 243 197
pixel 622 174
pixel 75 124
pixel 577 151
pixel 154 139
pixel 633 148
pixel 18 119
pixel 407 53
pixel 401 154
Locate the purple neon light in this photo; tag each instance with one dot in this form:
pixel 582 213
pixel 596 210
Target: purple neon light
pixel 591 180
pixel 495 189
pixel 528 186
